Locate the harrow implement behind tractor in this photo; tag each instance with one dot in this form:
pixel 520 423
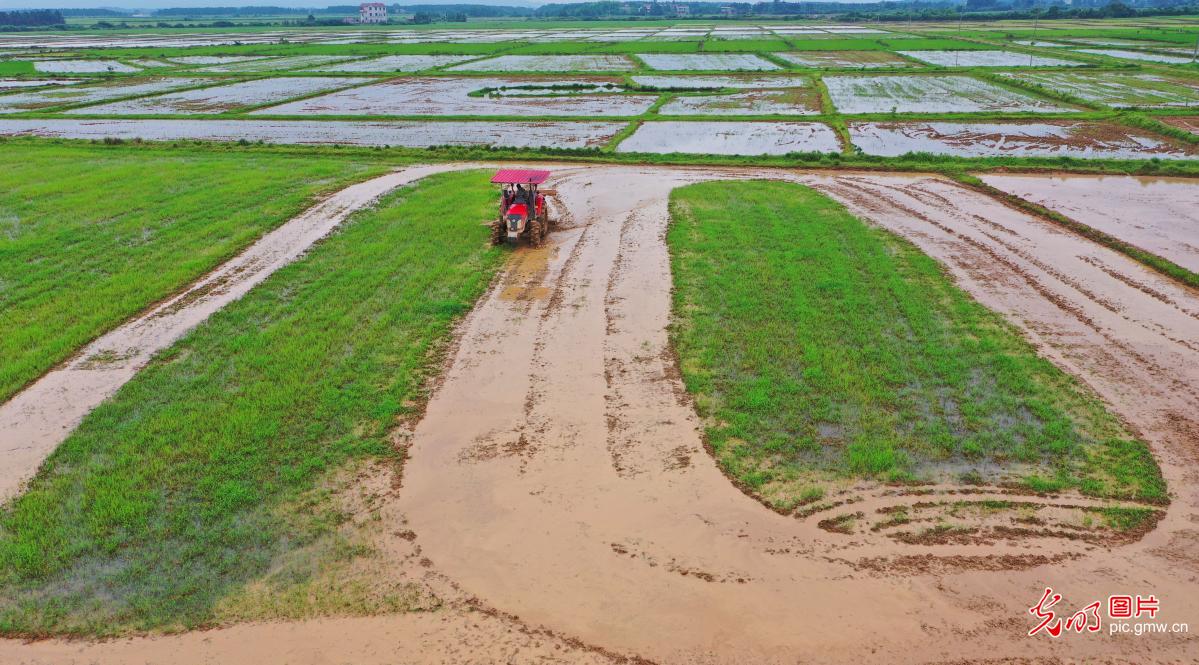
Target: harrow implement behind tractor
pixel 522 207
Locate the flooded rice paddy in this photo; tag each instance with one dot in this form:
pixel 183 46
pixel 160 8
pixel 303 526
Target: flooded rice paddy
pixel 303 132
pixel 10 84
pixel 929 94
pixel 549 63
pixel 452 96
pixel 393 63
pixel 35 100
pixel 83 67
pixel 845 59
pixel 1138 55
pixel 1015 139
pixel 795 101
pixel 731 138
pixel 1118 89
pixel 706 61
pixel 1159 215
pixel 697 82
pixel 221 98
pixel 275 64
pixel 987 59
pixel 213 59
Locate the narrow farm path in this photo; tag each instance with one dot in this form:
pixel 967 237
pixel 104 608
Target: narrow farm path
pixel 559 475
pixel 36 420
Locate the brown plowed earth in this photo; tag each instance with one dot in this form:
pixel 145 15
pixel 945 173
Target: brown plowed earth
pixel 559 474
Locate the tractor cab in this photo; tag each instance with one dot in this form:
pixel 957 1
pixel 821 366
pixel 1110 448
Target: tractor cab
pixel 522 206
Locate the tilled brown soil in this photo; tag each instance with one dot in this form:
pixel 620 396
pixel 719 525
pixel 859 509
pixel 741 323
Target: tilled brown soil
pixel 559 478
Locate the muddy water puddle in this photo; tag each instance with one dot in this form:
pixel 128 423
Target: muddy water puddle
pixel 1159 215
pixel 1045 139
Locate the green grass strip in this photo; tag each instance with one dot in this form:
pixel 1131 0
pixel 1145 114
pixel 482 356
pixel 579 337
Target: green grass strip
pixel 90 237
pixel 821 349
pixel 184 487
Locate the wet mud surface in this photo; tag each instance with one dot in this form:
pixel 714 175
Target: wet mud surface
pixel 1158 215
pixel 1016 139
pixel 577 498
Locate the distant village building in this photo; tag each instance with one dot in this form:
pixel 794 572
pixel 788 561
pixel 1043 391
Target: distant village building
pixel 682 10
pixel 728 10
pixel 372 12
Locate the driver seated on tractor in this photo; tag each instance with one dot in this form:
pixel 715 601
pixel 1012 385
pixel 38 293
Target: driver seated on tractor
pixel 522 196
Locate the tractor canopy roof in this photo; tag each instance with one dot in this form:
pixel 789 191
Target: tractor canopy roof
pixel 520 176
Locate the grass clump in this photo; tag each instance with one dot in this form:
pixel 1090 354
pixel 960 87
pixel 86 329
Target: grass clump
pixel 89 236
pixel 174 499
pixel 819 348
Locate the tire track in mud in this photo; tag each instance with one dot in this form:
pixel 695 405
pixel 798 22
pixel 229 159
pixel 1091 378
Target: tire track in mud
pixel 608 542
pixel 675 564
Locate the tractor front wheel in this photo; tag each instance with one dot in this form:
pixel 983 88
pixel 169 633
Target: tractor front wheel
pixel 497 232
pixel 536 234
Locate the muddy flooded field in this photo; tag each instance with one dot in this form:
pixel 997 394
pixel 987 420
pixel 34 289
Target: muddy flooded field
pixel 393 63
pixel 1158 215
pixel 548 63
pixel 706 61
pixel 699 82
pixel 1146 56
pixel 797 101
pixel 930 94
pixel 83 67
pixel 1189 123
pixel 299 132
pixel 213 59
pixel 1118 89
pixel 12 84
pixel 221 98
pixel 987 59
pixel 1016 139
pixel 275 64
pixel 846 59
pixel 453 96
pixel 36 100
pixel 731 138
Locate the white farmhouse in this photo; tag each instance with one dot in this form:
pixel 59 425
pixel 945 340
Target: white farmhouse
pixel 372 12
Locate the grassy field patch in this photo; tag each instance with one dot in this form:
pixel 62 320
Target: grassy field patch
pixel 89 236
pixel 821 349
pixel 204 476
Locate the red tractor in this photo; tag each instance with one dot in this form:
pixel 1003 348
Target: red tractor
pixel 522 206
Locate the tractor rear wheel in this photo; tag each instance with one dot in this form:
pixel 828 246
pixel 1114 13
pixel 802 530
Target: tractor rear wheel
pixel 497 232
pixel 536 234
